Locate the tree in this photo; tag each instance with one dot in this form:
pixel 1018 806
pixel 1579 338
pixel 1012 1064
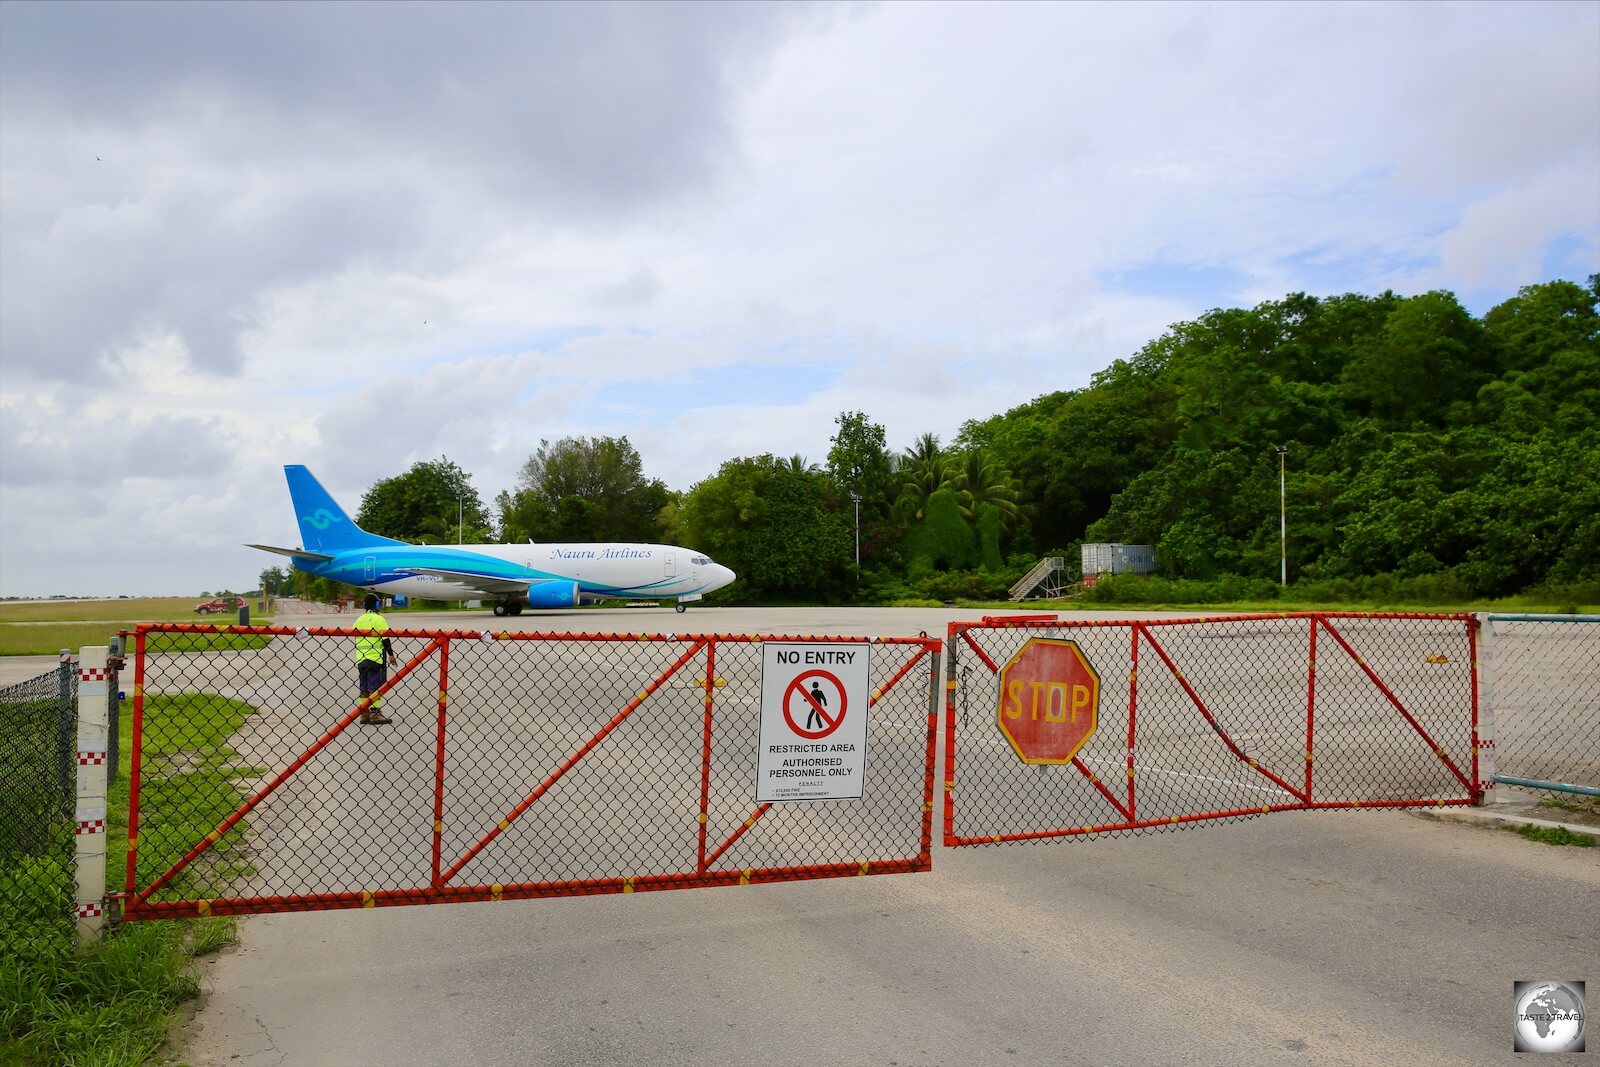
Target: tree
pixel 859 459
pixel 781 529
pixel 583 489
pixel 432 503
pixel 922 473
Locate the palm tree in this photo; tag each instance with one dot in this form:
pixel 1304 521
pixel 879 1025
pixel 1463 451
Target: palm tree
pixel 922 473
pixel 979 482
pixel 798 464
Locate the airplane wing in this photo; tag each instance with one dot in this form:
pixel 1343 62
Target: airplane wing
pixel 294 553
pixel 480 582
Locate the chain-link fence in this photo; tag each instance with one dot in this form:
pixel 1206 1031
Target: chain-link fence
pixel 1546 702
pixel 38 793
pixel 1167 722
pixel 514 765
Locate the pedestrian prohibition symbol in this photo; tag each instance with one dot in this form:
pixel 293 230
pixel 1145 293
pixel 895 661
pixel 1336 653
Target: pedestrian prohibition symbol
pixel 814 707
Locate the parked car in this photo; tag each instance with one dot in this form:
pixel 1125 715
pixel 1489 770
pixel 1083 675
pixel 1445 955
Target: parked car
pixel 221 603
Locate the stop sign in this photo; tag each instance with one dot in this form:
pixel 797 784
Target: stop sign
pixel 1049 695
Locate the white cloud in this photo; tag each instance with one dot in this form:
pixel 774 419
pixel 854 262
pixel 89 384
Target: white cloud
pixel 711 228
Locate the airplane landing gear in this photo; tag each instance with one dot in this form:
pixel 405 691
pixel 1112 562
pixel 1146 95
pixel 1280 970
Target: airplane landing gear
pixel 682 607
pixel 507 607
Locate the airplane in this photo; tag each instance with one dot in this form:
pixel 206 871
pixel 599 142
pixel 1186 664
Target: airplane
pixel 514 576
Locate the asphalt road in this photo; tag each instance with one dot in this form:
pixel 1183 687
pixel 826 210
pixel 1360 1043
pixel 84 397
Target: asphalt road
pixel 1329 937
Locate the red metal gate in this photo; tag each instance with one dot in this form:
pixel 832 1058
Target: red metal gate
pixel 1211 719
pixel 517 765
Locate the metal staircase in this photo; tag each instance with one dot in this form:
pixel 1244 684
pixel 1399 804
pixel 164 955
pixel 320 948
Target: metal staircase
pixel 1045 574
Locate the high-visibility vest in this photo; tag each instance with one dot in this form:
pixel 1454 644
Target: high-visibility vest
pixel 371 648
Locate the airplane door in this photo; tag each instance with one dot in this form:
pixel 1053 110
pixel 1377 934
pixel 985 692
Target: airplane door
pixel 671 570
pixel 371 568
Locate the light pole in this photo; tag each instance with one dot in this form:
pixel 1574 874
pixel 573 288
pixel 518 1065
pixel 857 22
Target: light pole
pixel 461 517
pixel 1283 520
pixel 857 498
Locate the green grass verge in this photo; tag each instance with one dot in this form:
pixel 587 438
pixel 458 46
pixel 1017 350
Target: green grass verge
pixel 48 638
pixel 1553 835
pixel 111 1004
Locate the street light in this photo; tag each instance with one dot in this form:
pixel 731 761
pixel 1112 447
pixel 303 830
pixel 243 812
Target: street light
pixel 461 516
pixel 857 498
pixel 1283 520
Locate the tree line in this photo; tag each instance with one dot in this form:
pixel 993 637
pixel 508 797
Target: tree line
pixel 1416 444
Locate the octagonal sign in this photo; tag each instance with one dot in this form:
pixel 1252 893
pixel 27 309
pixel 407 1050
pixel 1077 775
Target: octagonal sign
pixel 1049 698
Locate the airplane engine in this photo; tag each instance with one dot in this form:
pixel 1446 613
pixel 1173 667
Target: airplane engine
pixel 553 594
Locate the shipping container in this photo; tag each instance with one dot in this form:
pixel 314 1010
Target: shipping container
pixel 1101 559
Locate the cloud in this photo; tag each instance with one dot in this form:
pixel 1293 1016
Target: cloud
pixel 358 236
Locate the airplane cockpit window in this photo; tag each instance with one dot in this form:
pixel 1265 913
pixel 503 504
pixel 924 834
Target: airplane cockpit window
pixel 699 561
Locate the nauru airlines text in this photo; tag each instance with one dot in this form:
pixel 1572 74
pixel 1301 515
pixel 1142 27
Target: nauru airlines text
pixel 513 576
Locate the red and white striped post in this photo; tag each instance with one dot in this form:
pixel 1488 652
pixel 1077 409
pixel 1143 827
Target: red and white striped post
pixel 90 852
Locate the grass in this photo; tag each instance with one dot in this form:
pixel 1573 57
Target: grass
pixel 111 1004
pixel 45 627
pixel 1553 835
pixel 49 638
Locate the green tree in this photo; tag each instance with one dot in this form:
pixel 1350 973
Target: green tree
pixel 781 529
pixel 583 489
pixel 432 503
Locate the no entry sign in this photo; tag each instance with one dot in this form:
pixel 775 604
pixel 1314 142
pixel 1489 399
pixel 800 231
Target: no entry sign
pixel 813 738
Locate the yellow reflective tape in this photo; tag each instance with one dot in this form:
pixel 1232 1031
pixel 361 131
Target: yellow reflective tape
pixel 755 639
pixel 1093 780
pixel 1355 803
pixel 863 870
pixel 950 685
pixel 438 826
pixel 133 841
pixel 367 900
pixel 203 907
pixel 1308 757
pixel 443 699
pixel 643 693
pixel 877 694
pixel 1361 661
pixel 702 818
pixel 751 821
pixel 1266 810
pixel 138 691
pixel 212 837
pixel 949 787
pixel 927 806
pixel 744 877
pixel 1133 675
pixel 505 824
pixel 1173 819
pixel 997 839
pixel 495 891
pixel 1130 774
pixel 627 885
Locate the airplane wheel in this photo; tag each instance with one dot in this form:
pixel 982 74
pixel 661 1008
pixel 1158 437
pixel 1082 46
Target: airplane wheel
pixel 682 608
pixel 500 610
pixel 516 609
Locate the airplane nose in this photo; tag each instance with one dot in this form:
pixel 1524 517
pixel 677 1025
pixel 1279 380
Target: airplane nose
pixel 724 576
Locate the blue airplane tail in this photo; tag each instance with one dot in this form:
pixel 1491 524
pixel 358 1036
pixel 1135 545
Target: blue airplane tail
pixel 324 527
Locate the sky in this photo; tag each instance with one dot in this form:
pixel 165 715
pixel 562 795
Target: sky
pixel 238 236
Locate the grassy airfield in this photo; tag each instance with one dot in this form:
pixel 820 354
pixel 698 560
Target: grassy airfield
pixel 45 627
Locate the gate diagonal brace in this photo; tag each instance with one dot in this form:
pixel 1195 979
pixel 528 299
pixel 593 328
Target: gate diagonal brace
pixel 755 816
pixel 282 776
pixel 569 763
pixel 1216 727
pixel 1394 700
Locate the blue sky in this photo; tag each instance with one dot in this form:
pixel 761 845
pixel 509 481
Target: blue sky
pixel 234 236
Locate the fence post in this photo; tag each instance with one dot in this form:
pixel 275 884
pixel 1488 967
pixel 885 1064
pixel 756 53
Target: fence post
pixel 1487 734
pixel 90 835
pixel 64 719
